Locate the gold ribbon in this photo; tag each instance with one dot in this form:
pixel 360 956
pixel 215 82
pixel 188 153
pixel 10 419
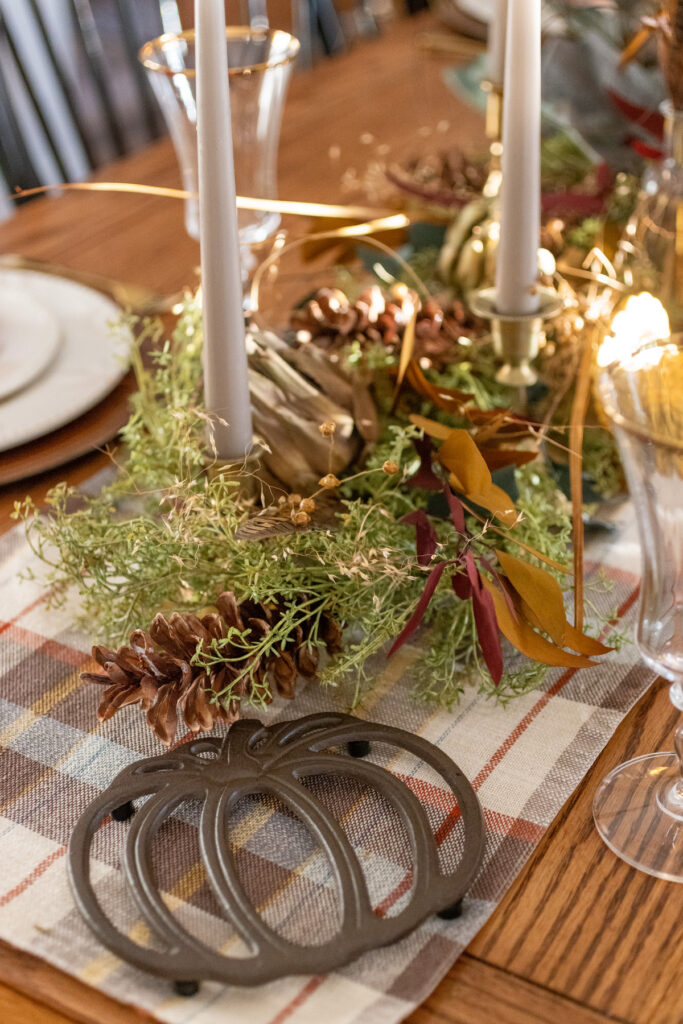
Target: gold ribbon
pixel 371 220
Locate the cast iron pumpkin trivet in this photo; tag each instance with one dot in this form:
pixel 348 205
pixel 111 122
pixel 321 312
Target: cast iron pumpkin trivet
pixel 255 760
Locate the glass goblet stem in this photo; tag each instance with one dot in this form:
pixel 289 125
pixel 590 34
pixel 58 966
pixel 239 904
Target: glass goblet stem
pixel 674 800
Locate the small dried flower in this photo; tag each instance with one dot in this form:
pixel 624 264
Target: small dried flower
pixel 390 467
pixel 294 500
pixel 307 505
pixel 327 428
pixel 300 518
pixel 328 482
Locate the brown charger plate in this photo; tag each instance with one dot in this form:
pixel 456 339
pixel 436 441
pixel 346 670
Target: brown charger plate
pixel 82 436
pixel 100 424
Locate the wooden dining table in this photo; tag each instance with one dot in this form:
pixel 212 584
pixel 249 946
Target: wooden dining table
pixel 580 937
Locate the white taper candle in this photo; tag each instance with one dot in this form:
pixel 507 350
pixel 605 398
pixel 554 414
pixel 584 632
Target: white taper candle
pixel 226 379
pixel 520 206
pixel 496 45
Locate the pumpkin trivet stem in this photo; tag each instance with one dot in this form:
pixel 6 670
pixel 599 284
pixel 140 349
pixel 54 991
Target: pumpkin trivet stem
pixel 276 761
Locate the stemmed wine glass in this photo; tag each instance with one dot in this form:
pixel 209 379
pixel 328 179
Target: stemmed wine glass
pixel 638 808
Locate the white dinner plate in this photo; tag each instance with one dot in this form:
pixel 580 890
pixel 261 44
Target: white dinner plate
pixel 89 361
pixel 29 339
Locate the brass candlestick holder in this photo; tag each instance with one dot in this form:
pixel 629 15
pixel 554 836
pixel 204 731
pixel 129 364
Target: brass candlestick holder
pixel 516 339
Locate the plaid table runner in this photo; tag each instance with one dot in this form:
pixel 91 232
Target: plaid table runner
pixel 524 761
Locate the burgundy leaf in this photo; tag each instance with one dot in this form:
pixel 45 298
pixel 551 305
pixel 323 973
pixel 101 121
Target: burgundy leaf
pixel 485 619
pixel 604 178
pixel 457 511
pixel 651 120
pixel 574 203
pixel 647 152
pixel 487 632
pixel 461 586
pixel 472 572
pixel 425 477
pixel 420 608
pixel 427 540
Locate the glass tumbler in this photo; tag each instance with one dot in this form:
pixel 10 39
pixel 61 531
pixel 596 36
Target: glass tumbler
pixel 638 808
pixel 260 63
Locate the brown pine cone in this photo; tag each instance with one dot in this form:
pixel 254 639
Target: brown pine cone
pixel 380 317
pixel 328 312
pixel 375 316
pixel 155 668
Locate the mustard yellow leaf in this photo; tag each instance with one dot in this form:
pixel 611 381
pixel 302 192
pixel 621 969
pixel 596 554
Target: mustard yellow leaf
pixel 574 639
pixel 431 427
pixel 525 639
pixel 540 591
pixel 542 604
pixel 461 456
pixel 471 475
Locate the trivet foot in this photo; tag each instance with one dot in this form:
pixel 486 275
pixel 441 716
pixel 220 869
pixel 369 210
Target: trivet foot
pixel 186 988
pixel 451 913
pixel 359 748
pixel 124 812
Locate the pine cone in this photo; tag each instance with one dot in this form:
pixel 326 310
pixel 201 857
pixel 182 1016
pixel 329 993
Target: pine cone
pixel 332 318
pixel 328 312
pixel 379 317
pixel 155 668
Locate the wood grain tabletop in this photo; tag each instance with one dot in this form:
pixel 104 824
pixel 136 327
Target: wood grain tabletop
pixel 580 938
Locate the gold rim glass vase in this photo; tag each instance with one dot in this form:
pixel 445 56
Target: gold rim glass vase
pixel 260 63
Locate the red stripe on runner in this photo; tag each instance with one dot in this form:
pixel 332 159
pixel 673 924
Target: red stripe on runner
pixel 33 877
pixel 447 826
pixel 309 988
pixel 613 573
pixel 515 828
pixel 400 890
pixel 36 642
pixel 501 824
pixel 444 800
pixel 435 796
pixel 24 611
pixel 183 739
pixel 628 603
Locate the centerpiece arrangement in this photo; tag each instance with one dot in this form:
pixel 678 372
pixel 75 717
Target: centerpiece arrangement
pixel 401 484
pixel 405 454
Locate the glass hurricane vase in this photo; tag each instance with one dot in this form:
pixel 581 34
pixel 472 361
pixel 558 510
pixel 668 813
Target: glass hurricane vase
pixel 650 253
pixel 260 63
pixel 638 808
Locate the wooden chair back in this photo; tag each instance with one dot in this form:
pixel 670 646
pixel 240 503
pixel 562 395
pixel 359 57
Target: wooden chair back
pixel 73 94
